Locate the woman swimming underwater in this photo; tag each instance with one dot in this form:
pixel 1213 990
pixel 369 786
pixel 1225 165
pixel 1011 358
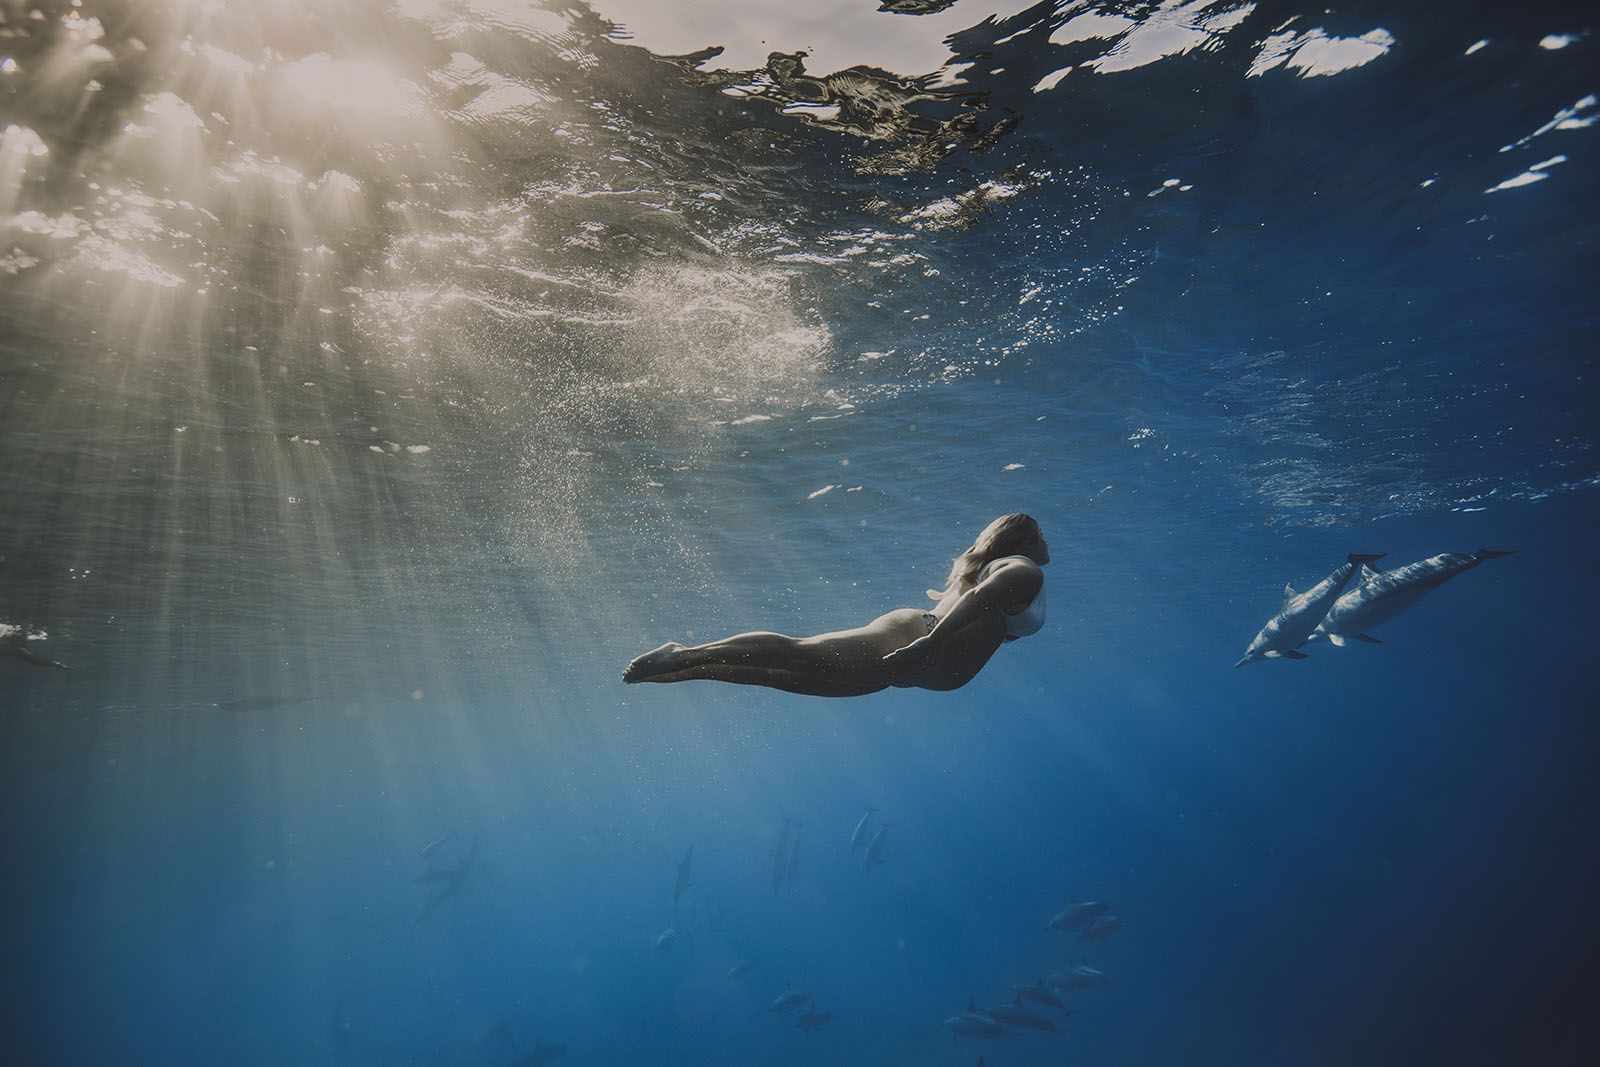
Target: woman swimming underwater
pixel 994 594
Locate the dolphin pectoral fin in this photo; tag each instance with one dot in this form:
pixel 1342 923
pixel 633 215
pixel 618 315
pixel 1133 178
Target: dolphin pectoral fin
pixel 1368 638
pixel 1292 654
pixel 1337 639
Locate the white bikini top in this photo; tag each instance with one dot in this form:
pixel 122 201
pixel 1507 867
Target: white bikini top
pixel 1030 620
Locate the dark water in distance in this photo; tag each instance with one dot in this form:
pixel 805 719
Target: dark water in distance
pixel 378 378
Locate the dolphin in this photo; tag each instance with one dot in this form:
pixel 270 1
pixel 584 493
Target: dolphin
pixel 1382 595
pixel 859 838
pixel 436 874
pixel 875 848
pixel 737 972
pixel 813 1019
pixel 973 1023
pixel 683 875
pixel 1078 914
pixel 781 855
pixel 11 644
pixel 452 881
pixel 1040 993
pixel 1079 978
pixel 435 900
pixel 427 851
pixel 1021 1016
pixel 665 939
pixel 791 869
pixel 1290 627
pixel 789 1000
pixel 1101 929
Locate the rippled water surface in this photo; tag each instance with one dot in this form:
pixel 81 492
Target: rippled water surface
pixel 378 377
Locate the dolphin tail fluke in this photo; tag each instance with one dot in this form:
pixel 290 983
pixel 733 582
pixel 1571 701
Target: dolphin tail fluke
pixel 1368 638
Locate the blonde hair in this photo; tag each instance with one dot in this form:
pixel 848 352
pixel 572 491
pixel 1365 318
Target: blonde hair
pixel 1006 536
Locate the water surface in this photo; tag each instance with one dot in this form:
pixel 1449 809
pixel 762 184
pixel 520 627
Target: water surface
pixel 377 378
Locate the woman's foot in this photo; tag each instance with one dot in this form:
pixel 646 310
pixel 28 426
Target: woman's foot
pixel 657 662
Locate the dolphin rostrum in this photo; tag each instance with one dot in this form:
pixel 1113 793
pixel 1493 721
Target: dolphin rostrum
pixel 1289 629
pixel 1382 595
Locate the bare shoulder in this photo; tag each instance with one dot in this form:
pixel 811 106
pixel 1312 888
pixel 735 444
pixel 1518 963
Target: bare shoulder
pixel 1015 579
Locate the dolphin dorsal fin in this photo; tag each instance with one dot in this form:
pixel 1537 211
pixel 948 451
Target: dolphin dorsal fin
pixel 1288 593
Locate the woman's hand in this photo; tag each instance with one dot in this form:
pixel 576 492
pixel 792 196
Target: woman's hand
pixel 909 663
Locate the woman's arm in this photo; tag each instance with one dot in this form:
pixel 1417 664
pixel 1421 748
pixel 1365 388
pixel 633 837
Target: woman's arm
pixel 1009 589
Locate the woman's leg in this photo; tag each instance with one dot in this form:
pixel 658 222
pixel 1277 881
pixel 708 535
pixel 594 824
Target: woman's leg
pixel 846 663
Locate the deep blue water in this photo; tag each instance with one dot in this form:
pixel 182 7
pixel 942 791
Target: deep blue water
pixel 377 379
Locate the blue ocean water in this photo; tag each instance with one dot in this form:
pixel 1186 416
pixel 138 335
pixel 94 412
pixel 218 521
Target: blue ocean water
pixel 378 378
